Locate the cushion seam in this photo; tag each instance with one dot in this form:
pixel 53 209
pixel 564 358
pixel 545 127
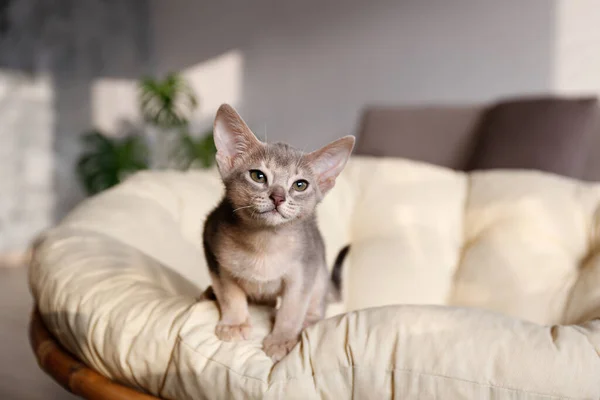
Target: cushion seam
pixel 180 340
pixel 464 245
pixel 163 380
pixel 581 263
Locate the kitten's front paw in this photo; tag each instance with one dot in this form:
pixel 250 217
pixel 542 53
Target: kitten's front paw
pixel 310 321
pixel 278 347
pixel 233 333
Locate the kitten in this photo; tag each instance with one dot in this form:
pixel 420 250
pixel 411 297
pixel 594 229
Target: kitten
pixel 262 240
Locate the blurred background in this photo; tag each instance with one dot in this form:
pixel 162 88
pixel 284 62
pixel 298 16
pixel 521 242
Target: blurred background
pixel 92 90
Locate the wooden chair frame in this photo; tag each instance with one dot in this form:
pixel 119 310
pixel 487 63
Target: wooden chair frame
pixel 72 374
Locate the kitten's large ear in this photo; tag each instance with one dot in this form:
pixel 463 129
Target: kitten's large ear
pixel 232 138
pixel 329 161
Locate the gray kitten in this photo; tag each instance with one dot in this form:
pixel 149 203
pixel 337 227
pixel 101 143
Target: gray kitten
pixel 262 241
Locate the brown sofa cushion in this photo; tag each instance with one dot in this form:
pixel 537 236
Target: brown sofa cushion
pixel 592 167
pixel 441 135
pixel 546 133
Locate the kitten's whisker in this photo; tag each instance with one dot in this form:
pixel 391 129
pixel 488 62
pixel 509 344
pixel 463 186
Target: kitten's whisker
pixel 241 208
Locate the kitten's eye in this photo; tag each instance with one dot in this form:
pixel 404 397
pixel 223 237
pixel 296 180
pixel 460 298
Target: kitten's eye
pixel 300 185
pixel 258 176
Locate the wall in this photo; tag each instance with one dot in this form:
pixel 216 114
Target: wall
pixel 52 55
pixel 308 68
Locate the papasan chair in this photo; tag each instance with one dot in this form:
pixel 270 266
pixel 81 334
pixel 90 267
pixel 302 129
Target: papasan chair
pixel 457 286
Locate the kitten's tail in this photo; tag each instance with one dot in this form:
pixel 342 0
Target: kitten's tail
pixel 336 273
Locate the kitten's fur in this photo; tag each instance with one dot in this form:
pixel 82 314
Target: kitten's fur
pixel 262 240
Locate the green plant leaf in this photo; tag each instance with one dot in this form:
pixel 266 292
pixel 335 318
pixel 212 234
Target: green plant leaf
pixel 167 103
pixel 192 151
pixel 106 161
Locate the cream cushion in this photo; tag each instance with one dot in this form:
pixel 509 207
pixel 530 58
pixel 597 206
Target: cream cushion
pixel 482 285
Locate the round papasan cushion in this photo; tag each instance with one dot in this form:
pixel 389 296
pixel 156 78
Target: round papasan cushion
pixel 116 283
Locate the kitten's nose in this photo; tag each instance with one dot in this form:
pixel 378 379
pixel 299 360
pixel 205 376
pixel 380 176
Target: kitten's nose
pixel 277 196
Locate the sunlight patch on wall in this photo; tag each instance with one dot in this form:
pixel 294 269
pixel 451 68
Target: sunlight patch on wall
pixel 215 81
pixel 114 105
pixel 577 40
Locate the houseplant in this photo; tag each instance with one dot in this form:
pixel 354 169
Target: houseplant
pixel 166 106
pixel 107 161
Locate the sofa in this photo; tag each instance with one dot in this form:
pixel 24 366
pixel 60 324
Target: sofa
pixel 472 284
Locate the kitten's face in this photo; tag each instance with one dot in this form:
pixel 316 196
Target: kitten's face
pixel 273 185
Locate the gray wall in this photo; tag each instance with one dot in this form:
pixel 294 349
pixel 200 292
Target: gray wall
pixel 50 54
pixel 308 68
